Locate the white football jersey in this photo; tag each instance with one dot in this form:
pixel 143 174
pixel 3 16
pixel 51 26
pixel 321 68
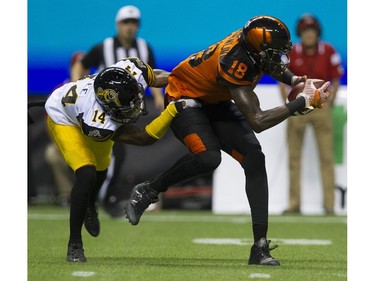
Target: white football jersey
pixel 74 103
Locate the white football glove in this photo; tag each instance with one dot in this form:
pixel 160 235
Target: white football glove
pixel 314 97
pixel 187 103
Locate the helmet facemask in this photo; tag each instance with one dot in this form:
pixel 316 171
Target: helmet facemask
pixel 130 113
pixel 267 40
pixel 274 62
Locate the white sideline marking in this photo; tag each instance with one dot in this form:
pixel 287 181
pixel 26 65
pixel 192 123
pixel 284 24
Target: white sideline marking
pixel 48 216
pixel 211 219
pixel 260 275
pixel 221 241
pixel 302 241
pixel 83 273
pixel 240 242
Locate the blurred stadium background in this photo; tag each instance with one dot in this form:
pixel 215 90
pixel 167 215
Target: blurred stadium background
pixel 174 30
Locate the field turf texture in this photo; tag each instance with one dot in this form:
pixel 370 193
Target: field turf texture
pixel 186 245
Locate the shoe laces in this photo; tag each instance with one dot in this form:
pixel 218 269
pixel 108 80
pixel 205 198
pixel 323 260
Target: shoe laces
pixel 273 247
pixel 141 202
pixel 265 248
pixel 92 213
pixel 77 254
pixel 143 199
pixel 76 249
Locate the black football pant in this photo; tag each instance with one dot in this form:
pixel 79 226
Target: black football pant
pixel 208 130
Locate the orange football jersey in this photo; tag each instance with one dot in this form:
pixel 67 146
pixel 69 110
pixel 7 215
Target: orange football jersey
pixel 207 74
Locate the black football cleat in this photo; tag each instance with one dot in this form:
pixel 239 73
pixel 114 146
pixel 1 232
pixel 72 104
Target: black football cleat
pixel 260 253
pixel 92 224
pixel 141 197
pixel 75 253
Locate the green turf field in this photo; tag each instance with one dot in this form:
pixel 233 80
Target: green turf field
pixel 187 246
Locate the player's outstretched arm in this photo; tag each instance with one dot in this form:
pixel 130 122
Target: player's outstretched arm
pixel 132 134
pixel 156 129
pixel 259 120
pixel 161 78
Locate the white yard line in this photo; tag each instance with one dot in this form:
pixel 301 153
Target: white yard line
pixel 83 273
pixel 259 276
pixel 246 241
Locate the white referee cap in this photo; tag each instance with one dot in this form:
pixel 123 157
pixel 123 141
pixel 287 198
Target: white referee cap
pixel 128 12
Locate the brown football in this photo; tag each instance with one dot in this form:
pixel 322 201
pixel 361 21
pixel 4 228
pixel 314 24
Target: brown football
pixel 299 89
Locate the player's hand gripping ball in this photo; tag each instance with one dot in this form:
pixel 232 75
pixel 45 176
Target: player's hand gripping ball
pixel 298 89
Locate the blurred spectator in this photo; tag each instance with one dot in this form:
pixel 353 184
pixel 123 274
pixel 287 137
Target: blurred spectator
pixel 316 59
pixel 124 44
pixel 62 174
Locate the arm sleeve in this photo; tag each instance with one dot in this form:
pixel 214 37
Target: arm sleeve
pixel 159 126
pixel 286 77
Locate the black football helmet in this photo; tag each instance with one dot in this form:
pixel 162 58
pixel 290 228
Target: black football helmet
pixel 267 40
pixel 119 94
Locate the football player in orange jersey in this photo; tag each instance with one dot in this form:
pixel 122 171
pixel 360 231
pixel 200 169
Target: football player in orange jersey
pixel 223 78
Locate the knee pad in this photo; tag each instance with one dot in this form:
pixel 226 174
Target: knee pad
pixel 86 177
pixel 254 161
pixel 84 183
pixel 208 161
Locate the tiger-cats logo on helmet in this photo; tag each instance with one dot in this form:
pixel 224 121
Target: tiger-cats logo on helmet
pixel 108 96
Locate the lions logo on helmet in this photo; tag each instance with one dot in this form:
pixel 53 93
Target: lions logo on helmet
pixel 108 95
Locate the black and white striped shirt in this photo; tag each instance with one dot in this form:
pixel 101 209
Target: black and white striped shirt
pixel 110 51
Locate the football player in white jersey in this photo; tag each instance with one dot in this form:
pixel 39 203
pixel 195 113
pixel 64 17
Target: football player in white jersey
pixel 86 117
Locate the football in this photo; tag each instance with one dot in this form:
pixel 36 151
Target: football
pixel 299 89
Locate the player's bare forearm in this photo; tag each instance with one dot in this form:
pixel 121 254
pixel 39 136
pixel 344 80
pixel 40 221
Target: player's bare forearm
pixel 132 134
pixel 259 120
pixel 161 78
